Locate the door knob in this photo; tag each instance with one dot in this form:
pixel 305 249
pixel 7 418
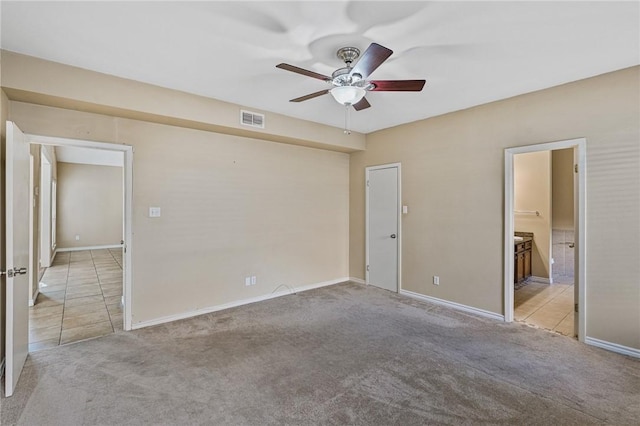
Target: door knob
pixel 393 235
pixel 13 272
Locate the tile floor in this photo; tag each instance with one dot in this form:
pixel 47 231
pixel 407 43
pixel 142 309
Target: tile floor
pixel 548 306
pixel 80 298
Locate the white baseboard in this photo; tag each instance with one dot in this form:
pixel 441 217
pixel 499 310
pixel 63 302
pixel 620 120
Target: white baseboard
pixel 540 280
pixel 32 301
pixel 108 246
pixel 357 280
pixel 453 305
pixel 613 347
pixel 287 291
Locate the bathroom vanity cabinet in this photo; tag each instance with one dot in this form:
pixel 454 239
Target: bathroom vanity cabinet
pixel 522 259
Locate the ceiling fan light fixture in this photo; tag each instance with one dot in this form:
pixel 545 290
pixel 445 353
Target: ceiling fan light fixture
pixel 347 95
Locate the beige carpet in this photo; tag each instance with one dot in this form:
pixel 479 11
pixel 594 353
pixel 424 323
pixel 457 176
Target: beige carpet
pixel 345 354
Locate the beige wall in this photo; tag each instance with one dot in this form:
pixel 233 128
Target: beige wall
pixel 453 183
pixel 231 207
pixel 235 206
pixel 4 114
pixel 278 211
pixel 89 205
pixel 532 192
pixel 562 189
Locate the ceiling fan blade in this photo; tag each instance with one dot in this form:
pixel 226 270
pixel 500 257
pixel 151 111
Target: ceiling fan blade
pixel 363 104
pixel 397 85
pixel 310 96
pixel 302 71
pixel 371 59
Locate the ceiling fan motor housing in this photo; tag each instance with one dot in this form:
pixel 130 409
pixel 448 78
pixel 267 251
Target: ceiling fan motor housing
pixel 343 76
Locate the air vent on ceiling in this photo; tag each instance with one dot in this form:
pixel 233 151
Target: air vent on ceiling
pixel 253 119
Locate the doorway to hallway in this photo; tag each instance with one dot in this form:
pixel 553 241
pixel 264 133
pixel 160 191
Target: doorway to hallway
pixel 80 293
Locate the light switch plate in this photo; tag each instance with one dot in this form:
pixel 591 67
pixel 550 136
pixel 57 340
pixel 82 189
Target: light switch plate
pixel 154 211
pixel 405 209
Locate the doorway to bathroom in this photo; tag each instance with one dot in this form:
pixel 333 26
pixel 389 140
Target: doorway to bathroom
pixel 544 236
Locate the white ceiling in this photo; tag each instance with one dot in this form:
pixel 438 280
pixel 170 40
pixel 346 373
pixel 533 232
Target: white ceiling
pixel 470 53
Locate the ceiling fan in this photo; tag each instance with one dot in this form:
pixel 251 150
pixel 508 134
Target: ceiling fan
pixel 350 83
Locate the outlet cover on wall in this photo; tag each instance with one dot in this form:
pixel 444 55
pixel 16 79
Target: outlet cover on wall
pixel 154 211
pixel 436 280
pixel 247 281
pixel 253 280
pixel 77 237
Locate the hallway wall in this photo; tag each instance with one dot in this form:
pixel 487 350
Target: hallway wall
pixel 562 188
pixel 90 205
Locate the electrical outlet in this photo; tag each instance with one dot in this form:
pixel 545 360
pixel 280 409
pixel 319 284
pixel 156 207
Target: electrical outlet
pixel 436 280
pixel 77 237
pixel 247 281
pixel 253 280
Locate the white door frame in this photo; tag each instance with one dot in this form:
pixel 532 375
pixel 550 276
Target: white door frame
pixel 34 257
pixel 128 205
pixel 580 145
pixel 44 237
pixel 366 176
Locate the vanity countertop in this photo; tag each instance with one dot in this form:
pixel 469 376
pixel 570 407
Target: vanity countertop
pixel 522 237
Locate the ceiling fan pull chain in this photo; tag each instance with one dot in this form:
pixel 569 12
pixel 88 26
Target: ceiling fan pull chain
pixel 346 119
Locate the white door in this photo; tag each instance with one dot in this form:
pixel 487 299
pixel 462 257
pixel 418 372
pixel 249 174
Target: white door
pixel 382 226
pixel 17 234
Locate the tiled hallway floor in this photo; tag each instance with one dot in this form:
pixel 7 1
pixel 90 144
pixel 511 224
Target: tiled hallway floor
pixel 80 298
pixel 548 306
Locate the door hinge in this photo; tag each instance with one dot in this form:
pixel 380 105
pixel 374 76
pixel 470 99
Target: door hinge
pixel 575 168
pixel 368 183
pixel 367 268
pixel 575 307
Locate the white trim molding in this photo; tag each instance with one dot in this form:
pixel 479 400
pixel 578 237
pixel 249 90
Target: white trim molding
pixel 32 299
pixel 454 305
pixel 286 290
pixel 540 280
pixel 613 347
pixel 107 246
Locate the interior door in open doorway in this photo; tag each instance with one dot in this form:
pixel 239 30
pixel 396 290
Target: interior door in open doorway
pixel 17 252
pixel 383 230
